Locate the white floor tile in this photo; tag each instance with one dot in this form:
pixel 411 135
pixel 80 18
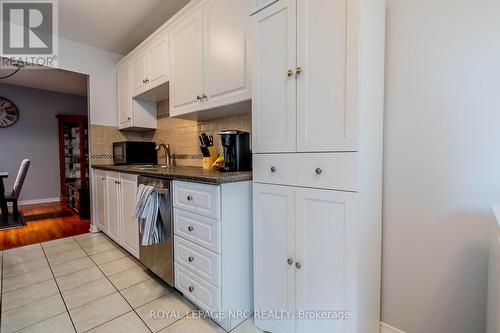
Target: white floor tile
pixel 129 322
pixel 25 267
pixel 58 324
pixel 129 278
pixel 99 248
pixel 11 258
pixel 193 325
pixel 65 256
pixel 108 256
pixel 119 265
pixel 33 313
pixel 79 278
pixel 72 266
pixel 98 312
pixel 247 326
pixel 145 292
pixel 88 293
pixel 165 311
pixel 26 279
pixel 30 294
pixel 61 248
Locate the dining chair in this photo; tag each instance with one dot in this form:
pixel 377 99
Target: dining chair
pixel 16 190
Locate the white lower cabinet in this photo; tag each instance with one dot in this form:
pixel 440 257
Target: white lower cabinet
pixel 304 257
pixel 114 205
pixel 130 236
pixel 213 248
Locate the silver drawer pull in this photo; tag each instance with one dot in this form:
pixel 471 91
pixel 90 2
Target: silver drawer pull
pixel 319 171
pixel 273 169
pixel 289 261
pixel 298 265
pixel 189 198
pixel 190 259
pixel 190 228
pixel 191 289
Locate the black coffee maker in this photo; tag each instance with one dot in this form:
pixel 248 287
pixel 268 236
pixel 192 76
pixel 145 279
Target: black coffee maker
pixel 236 148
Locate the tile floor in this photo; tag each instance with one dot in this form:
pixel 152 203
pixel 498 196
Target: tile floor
pixel 87 283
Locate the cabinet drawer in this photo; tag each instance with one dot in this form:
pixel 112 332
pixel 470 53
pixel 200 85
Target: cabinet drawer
pixel 203 294
pixel 198 229
pixel 205 263
pixel 198 198
pixel 335 171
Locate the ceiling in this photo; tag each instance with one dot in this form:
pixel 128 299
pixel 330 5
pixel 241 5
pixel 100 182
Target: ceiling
pixel 114 25
pixel 55 80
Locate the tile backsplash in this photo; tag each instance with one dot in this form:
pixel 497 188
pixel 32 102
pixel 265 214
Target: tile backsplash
pixel 180 134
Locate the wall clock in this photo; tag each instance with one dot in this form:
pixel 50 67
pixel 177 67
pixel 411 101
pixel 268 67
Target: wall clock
pixel 9 113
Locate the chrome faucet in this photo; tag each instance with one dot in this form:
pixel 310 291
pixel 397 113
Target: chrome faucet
pixel 168 158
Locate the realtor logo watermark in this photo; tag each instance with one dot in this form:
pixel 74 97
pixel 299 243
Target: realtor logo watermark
pixel 29 32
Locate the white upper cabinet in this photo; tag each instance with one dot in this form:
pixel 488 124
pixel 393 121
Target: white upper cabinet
pixel 186 64
pixel 158 62
pixel 139 68
pixel 304 92
pixel 210 58
pixel 325 117
pixel 124 97
pixel 226 62
pixel 274 88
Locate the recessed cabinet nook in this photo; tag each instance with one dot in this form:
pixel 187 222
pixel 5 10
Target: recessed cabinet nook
pixel 199 60
pixel 317 108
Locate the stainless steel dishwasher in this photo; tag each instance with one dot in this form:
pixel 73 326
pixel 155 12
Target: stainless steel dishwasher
pixel 159 258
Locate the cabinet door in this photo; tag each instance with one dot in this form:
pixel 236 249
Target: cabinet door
pixel 139 67
pixel 158 62
pixel 186 64
pixel 124 96
pixel 326 118
pixel 227 77
pixel 274 244
pixel 100 200
pixel 274 91
pixel 128 189
pixel 325 243
pixel 113 207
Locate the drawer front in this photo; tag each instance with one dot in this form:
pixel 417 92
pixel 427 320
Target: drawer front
pixel 205 263
pixel 198 198
pixel 335 171
pixel 201 230
pixel 201 293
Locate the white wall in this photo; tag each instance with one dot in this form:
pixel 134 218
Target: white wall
pixel 442 162
pixel 99 65
pixel 36 136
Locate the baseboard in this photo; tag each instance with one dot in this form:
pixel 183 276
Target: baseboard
pixel 37 201
pixel 384 328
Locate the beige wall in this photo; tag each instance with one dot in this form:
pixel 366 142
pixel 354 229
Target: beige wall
pixel 180 134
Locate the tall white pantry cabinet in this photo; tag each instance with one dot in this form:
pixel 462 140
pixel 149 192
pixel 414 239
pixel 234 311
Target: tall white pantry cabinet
pixel 318 86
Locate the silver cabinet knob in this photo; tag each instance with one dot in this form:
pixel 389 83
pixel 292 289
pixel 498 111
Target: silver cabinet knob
pixel 189 198
pixel 298 70
pixel 198 98
pixel 143 81
pixel 289 261
pixel 319 171
pixel 290 73
pixel 190 259
pixel 204 97
pixel 147 80
pixel 190 228
pixel 191 289
pixel 273 169
pixel 128 118
pixel 298 265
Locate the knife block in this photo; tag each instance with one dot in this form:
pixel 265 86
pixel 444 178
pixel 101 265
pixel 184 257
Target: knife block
pixel 209 161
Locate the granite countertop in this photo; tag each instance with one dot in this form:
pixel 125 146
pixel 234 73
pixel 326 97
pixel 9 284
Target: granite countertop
pixel 192 174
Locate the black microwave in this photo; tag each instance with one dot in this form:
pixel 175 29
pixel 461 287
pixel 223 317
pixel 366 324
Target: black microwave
pixel 134 152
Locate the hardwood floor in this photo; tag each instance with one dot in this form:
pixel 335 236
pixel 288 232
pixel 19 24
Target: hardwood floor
pixel 43 230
